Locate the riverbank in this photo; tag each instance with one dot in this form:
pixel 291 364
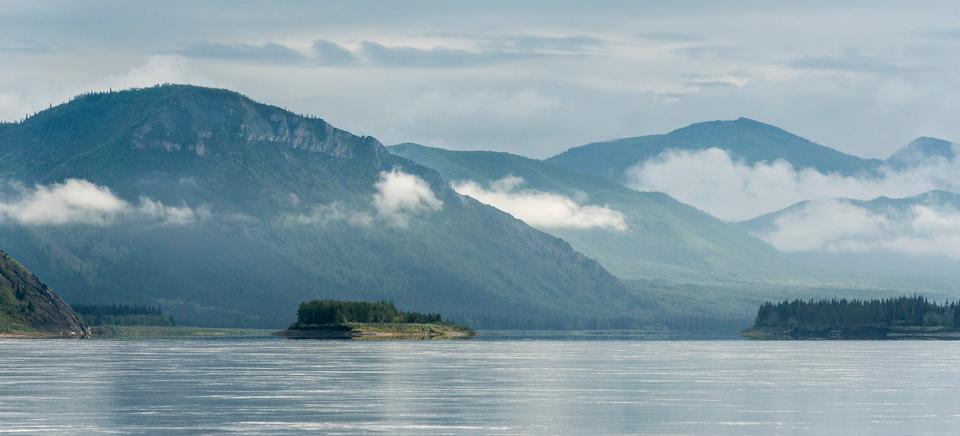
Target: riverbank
pixel 162 332
pixel 378 331
pixel 39 334
pixel 859 333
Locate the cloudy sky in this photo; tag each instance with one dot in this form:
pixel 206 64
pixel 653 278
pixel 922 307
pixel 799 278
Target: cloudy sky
pixel 533 78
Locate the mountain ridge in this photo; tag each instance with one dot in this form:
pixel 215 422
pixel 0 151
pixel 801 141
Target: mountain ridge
pixel 663 238
pixel 745 139
pixel 293 212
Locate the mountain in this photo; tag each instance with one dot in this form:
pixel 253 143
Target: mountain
pixel 893 243
pixel 892 208
pixel 28 306
pixel 921 150
pixel 660 239
pixel 225 211
pixel 691 265
pixel 745 139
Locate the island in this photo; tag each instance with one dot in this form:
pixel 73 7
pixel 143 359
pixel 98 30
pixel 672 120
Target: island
pixel 907 317
pixel 334 319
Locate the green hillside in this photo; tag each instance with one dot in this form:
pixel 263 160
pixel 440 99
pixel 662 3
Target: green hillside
pixel 285 213
pixel 27 306
pixel 663 240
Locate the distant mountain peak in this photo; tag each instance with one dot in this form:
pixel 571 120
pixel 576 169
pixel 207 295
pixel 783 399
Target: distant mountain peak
pixel 743 139
pixel 922 149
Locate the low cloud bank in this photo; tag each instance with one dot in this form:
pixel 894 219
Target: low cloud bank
pixel 840 226
pixel 76 201
pixel 734 190
pixel 400 195
pixel 543 210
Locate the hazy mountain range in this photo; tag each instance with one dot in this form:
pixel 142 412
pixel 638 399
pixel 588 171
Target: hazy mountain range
pixel 637 235
pixel 226 211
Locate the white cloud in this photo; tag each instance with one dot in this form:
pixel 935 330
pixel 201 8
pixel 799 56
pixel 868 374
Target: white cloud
pixel 543 210
pixel 734 190
pixel 76 201
pixel 71 202
pixel 170 215
pixel 839 226
pixel 400 195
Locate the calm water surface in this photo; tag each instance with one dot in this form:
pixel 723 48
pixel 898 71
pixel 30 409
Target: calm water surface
pixel 481 386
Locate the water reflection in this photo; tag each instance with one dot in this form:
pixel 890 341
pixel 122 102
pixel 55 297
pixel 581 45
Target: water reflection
pixel 264 385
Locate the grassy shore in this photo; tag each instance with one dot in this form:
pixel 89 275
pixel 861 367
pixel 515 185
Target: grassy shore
pixel 378 331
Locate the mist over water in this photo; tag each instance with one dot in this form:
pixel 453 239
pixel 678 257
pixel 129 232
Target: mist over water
pixel 268 385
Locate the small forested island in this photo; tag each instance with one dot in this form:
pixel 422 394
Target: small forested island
pixel 333 319
pixel 908 317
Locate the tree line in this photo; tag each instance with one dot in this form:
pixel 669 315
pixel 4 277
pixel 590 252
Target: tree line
pixel 888 312
pixel 122 314
pixel 318 312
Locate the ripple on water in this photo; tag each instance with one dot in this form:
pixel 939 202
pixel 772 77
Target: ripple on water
pixel 263 385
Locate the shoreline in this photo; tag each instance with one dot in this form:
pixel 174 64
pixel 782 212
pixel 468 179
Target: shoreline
pixel 370 331
pixel 860 333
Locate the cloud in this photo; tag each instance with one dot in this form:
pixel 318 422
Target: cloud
pixel 400 195
pixel 71 202
pixel 330 53
pixel 735 190
pixel 850 62
pixel 839 226
pixel 614 95
pixel 539 209
pixel 574 43
pixel 403 56
pixel 268 52
pixel 707 52
pixel 76 201
pixel 170 215
pixel 372 53
pixel 326 214
pixel 669 36
pixel 23 46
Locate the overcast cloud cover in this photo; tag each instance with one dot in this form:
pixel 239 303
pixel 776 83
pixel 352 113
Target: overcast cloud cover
pixel 532 78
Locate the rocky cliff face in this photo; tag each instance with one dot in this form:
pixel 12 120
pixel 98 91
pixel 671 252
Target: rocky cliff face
pixel 28 306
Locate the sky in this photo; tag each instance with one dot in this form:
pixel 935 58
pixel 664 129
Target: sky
pixel 533 78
